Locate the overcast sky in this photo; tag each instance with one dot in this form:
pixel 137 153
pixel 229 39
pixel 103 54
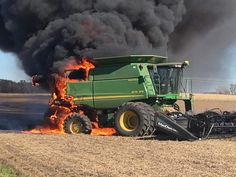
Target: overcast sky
pixel 231 54
pixel 10 68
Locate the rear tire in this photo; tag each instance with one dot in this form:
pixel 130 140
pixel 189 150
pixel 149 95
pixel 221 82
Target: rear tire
pixel 135 119
pixel 77 123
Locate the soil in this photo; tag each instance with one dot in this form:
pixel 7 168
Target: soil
pixel 85 155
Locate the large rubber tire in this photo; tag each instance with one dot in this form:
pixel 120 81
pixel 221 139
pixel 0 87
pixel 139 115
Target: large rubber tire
pixel 151 113
pixel 135 119
pixel 77 123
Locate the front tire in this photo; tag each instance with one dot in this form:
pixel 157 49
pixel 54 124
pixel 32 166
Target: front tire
pixel 77 123
pixel 134 119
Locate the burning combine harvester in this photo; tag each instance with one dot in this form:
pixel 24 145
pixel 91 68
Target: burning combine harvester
pixel 129 96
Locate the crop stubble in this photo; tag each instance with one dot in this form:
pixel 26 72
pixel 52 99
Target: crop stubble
pixel 83 155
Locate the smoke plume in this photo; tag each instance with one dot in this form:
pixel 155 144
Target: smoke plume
pixel 204 36
pixel 42 32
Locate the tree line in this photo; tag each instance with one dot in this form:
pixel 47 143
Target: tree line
pixel 8 86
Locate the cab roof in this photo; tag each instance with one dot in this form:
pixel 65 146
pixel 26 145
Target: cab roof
pixel 154 59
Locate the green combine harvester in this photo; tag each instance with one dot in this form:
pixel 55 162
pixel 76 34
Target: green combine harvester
pixel 137 96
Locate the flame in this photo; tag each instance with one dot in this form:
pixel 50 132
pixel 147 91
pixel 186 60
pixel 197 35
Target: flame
pixel 55 123
pixel 103 132
pixel 44 130
pixel 58 89
pixel 60 80
pixel 97 131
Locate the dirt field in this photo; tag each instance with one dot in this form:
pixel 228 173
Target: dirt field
pixel 203 102
pixel 81 155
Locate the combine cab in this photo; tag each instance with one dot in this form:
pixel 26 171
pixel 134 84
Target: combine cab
pixel 137 96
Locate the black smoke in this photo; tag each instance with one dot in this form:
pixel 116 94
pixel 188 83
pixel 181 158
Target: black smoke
pixel 42 32
pixel 200 18
pixel 204 35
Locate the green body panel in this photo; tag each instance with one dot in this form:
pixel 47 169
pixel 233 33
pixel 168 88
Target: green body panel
pixel 115 85
pixel 117 80
pixel 81 91
pixel 115 72
pixel 113 93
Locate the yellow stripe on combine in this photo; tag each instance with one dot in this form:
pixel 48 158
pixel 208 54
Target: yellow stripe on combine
pixel 107 97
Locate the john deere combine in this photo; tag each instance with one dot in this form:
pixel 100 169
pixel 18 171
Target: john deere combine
pixel 137 96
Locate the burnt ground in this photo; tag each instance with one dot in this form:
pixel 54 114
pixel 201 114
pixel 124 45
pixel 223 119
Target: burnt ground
pixel 84 155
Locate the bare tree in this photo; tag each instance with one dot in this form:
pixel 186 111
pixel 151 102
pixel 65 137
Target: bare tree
pixel 233 89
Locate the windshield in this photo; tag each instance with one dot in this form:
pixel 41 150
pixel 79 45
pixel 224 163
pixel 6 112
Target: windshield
pixel 166 79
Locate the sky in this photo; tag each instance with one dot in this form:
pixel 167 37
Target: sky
pixel 11 68
pixel 231 55
pixel 209 83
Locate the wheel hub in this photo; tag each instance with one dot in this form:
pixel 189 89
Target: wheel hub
pixel 76 127
pixel 129 121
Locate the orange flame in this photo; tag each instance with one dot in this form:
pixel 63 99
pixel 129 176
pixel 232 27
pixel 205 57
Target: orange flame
pixel 55 126
pixel 44 130
pixel 55 123
pixel 97 131
pixel 103 132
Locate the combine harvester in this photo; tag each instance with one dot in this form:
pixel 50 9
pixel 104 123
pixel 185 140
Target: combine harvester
pixel 136 95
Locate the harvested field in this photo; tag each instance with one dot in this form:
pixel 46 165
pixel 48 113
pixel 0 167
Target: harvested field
pixel 84 155
pixel 81 155
pixel 203 102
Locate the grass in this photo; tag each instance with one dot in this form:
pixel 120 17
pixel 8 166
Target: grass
pixel 6 171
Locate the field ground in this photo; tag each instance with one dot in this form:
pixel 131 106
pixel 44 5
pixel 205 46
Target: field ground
pixel 203 102
pixel 84 155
